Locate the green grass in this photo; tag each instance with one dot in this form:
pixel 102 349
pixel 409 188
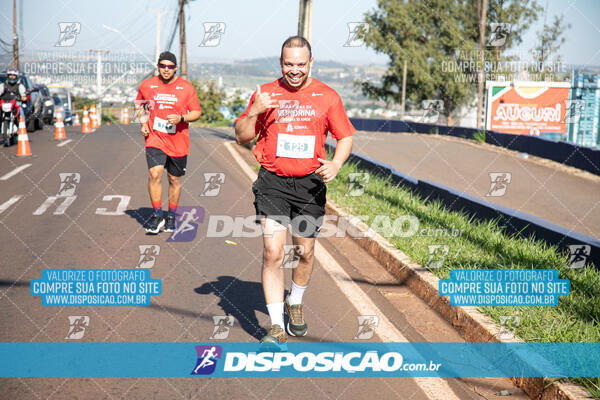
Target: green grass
pixel 485 245
pixel 479 136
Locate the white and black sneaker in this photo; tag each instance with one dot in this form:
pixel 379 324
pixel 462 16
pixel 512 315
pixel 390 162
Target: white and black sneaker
pixel 155 224
pixel 169 224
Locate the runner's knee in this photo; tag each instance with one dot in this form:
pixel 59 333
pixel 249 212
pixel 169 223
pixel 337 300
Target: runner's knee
pixel 273 254
pixel 174 180
pixel 154 175
pixel 307 255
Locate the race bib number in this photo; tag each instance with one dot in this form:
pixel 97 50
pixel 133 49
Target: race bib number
pixel 295 146
pixel 162 125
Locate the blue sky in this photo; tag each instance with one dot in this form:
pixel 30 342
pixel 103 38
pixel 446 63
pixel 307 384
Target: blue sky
pixel 254 28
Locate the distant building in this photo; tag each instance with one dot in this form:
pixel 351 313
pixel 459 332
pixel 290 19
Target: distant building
pixel 583 126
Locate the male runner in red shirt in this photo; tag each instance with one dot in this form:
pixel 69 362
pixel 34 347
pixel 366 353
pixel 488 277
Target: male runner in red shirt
pixel 171 102
pixel 291 117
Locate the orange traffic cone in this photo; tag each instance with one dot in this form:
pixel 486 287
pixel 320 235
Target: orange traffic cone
pixel 85 126
pixel 125 116
pixel 76 123
pixel 59 127
pixel 23 149
pixel 93 117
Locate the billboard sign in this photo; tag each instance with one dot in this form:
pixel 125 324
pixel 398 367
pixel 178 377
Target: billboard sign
pixel 527 108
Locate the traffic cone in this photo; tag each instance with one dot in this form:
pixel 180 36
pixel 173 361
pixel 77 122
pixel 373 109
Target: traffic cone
pixel 23 149
pixel 125 116
pixel 76 123
pixel 93 117
pixel 59 127
pixel 85 126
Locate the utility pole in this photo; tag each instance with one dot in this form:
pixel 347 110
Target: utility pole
pixel 157 49
pixel 305 19
pixel 99 53
pixel 481 15
pixel 182 45
pixel 15 61
pixel 403 91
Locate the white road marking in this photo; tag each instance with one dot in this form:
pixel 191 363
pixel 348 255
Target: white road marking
pixel 434 388
pixel 62 143
pixel 4 206
pixel 14 172
pixel 62 207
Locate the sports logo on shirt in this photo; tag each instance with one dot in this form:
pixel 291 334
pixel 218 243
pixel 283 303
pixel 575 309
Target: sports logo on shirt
pixel 287 110
pixel 207 359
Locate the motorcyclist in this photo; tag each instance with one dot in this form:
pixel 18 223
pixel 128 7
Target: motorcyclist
pixel 12 88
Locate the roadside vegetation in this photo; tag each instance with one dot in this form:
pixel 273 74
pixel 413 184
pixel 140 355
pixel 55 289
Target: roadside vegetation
pixel 479 245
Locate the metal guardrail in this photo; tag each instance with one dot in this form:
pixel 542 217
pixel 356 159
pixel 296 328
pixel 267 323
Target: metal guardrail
pixel 585 158
pixel 515 221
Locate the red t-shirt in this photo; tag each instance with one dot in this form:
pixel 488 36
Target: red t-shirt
pixel 292 136
pixel 177 97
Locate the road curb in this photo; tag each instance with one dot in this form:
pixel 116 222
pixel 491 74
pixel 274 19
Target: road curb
pixel 473 325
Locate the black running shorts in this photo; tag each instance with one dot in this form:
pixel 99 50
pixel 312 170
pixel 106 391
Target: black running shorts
pixel 299 201
pixel 174 165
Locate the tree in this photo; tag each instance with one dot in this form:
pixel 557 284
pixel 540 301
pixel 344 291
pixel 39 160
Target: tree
pixel 550 39
pixel 211 99
pixel 440 41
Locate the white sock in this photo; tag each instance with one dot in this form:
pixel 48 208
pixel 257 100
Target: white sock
pixel 296 293
pixel 276 313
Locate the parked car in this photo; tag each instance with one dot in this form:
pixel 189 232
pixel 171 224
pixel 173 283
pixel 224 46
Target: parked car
pixel 47 104
pixel 67 115
pixel 33 108
pixel 62 100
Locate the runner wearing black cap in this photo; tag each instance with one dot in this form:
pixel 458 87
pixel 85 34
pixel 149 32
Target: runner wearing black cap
pixel 165 104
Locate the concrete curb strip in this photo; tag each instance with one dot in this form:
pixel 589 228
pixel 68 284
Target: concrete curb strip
pixel 473 325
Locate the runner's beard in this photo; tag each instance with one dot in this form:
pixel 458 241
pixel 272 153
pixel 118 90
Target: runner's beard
pixel 297 80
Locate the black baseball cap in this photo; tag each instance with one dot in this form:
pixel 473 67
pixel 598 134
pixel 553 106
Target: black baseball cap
pixel 167 55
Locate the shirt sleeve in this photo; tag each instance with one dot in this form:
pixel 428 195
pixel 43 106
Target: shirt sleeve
pixel 337 120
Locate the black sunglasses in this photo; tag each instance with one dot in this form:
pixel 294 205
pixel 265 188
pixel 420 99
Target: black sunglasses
pixel 167 66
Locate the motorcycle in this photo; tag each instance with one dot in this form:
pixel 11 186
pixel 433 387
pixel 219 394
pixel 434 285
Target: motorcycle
pixel 9 121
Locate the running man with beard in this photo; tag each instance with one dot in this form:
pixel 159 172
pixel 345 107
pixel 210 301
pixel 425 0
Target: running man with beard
pixel 165 105
pixel 291 117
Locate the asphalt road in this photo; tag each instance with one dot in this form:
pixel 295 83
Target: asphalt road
pixel 203 278
pixel 541 189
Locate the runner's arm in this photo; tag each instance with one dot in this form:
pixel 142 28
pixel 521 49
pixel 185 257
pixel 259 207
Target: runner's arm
pixel 245 128
pixel 342 151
